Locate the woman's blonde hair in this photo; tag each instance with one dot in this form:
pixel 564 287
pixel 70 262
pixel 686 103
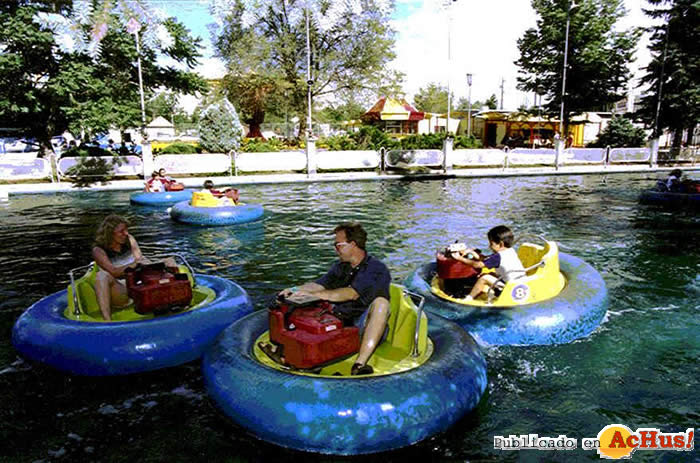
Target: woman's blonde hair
pixel 103 236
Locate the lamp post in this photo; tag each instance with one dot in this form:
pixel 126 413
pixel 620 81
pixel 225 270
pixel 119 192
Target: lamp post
pixel 133 27
pixel 309 82
pixel 572 5
pixel 469 106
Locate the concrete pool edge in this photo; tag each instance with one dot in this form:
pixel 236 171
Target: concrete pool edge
pixel 195 182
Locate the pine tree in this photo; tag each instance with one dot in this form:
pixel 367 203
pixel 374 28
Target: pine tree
pixel 674 71
pixel 597 60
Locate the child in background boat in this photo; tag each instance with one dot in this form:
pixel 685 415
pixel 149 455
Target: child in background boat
pixel 504 261
pixel 154 184
pixel 225 193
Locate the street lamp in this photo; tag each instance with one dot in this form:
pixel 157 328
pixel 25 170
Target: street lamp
pixel 447 4
pixel 133 27
pixel 469 106
pixel 572 5
pixel 309 81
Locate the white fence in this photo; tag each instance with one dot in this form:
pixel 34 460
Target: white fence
pixel 193 163
pixel 347 160
pixel 19 166
pixel 414 158
pixel 268 162
pixel 16 168
pixel 123 166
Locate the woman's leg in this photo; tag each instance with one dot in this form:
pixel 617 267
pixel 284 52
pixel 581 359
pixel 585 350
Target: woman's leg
pixel 109 292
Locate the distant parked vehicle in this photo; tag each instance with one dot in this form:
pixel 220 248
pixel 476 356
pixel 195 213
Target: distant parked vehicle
pixel 19 146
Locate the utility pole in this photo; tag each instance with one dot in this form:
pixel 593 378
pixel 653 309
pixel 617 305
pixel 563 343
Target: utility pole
pixel 503 81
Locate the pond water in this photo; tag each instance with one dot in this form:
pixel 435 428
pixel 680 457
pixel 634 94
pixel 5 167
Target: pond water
pixel 639 368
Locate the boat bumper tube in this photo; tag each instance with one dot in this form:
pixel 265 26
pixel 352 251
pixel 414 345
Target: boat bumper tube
pixel 574 313
pixel 160 198
pixel 43 334
pixel 223 215
pixel 344 415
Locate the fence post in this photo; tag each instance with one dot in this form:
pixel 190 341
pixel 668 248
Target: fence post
pixel 311 155
pixel 382 160
pixel 447 154
pixel 607 155
pixel 505 157
pixel 654 155
pixel 558 148
pixel 147 159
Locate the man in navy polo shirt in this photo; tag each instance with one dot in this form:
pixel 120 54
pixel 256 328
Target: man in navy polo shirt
pixel 358 284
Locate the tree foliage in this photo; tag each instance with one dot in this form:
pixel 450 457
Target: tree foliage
pixel 620 133
pixel 674 70
pixel 432 98
pixel 220 130
pixel 351 42
pixel 64 67
pixel 598 55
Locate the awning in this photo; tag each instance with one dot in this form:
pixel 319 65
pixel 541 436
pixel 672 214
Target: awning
pixel 390 109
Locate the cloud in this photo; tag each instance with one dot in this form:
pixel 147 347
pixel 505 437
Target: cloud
pixel 483 42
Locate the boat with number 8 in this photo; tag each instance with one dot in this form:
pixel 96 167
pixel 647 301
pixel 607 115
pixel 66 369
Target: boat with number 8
pixel 560 298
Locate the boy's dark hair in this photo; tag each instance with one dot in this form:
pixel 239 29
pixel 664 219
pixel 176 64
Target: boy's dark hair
pixel 154 174
pixel 208 184
pixel 676 173
pixel 501 234
pixel 353 232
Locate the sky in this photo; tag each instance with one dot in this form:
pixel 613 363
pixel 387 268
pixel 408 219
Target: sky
pixel 483 38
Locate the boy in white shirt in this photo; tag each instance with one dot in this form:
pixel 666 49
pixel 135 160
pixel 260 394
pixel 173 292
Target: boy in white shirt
pixel 504 260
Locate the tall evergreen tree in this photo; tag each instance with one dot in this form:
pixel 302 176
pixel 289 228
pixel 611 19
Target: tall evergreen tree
pixel 674 71
pixel 598 55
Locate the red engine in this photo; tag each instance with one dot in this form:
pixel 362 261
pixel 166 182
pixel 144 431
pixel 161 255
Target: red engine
pixel 449 268
pixel 155 288
pixel 308 335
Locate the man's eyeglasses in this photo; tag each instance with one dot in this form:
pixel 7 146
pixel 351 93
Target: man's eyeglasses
pixel 340 244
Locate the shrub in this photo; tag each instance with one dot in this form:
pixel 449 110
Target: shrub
pixel 220 130
pixel 179 148
pixel 620 133
pixel 91 169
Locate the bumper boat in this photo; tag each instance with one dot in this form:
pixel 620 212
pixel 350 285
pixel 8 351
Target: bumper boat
pixel 426 377
pixel 206 209
pixel 669 198
pixel 160 198
pixel 560 298
pixel 66 330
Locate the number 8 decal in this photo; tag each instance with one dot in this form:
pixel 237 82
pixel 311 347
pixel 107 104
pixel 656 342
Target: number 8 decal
pixel 520 292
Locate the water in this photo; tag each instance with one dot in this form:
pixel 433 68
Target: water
pixel 639 368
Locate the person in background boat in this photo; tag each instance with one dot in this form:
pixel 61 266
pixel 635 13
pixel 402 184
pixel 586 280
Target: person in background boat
pixel 223 194
pixel 358 285
pixel 154 184
pixel 114 251
pixel 164 179
pixel 673 182
pixel 504 261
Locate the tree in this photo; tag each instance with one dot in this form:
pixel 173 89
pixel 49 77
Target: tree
pixel 598 55
pixel 432 99
pixel 254 94
pixel 620 133
pixel 351 42
pixel 492 102
pixel 674 69
pixel 65 68
pixel 463 105
pixel 220 130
